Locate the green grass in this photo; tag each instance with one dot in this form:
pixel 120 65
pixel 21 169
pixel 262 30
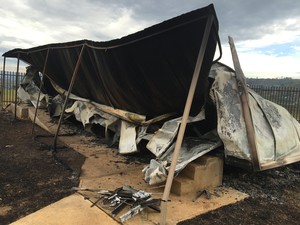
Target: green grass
pixel 9 95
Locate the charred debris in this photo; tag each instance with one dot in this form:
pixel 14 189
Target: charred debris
pixel 135 88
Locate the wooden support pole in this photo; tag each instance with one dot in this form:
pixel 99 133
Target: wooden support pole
pixel 41 85
pixel 242 87
pixel 68 95
pixel 185 116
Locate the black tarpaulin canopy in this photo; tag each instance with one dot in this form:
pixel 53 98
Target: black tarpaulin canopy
pixel 148 72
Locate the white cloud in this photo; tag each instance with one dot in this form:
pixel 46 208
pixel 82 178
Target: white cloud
pixel 123 25
pixel 264 65
pixel 56 21
pixel 279 33
pixel 296 48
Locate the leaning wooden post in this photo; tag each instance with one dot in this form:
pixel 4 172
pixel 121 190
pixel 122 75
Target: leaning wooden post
pixel 242 88
pixel 185 116
pixel 16 84
pixel 68 95
pixel 41 85
pixel 3 83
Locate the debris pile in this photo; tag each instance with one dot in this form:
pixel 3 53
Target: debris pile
pixel 135 88
pixel 124 199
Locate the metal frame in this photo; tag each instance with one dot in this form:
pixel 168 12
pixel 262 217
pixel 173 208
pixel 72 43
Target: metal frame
pixel 16 83
pixel 185 116
pixel 68 95
pixel 41 85
pixel 3 83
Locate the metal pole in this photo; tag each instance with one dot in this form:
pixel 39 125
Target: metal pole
pixel 16 83
pixel 185 116
pixel 41 85
pixel 68 94
pixel 245 106
pixel 3 83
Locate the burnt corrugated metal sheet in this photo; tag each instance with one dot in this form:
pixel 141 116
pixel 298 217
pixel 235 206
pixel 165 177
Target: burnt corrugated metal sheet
pixel 148 72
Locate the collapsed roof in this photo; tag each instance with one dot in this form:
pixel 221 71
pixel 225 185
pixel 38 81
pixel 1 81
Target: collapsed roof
pixel 128 84
pixel 148 72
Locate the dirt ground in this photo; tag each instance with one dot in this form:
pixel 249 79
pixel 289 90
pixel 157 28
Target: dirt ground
pixel 31 177
pixel 274 198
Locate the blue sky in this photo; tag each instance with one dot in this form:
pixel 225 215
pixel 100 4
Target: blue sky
pixel 266 32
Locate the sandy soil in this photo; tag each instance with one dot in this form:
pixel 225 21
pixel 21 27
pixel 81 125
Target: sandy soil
pixel 274 198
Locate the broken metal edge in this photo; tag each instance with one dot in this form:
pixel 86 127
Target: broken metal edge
pixel 128 116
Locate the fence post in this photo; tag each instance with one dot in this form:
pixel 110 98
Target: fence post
pixel 297 103
pixel 41 85
pixel 3 83
pixel 16 88
pixel 74 75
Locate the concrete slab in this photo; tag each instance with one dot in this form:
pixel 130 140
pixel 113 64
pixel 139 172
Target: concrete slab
pixel 179 208
pixel 72 210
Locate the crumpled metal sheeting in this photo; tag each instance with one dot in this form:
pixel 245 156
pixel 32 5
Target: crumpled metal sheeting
pixel 130 134
pixel 164 137
pixel 55 105
pixel 86 113
pixel 142 134
pixel 155 172
pixel 284 128
pixel 28 90
pixel 125 115
pixel 276 131
pixel 264 134
pixel 191 149
pixel 126 133
pixel 231 126
pixel 32 97
pixel 127 142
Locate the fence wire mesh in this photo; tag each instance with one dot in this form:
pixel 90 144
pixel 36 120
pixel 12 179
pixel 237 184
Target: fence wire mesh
pixel 287 97
pixel 9 81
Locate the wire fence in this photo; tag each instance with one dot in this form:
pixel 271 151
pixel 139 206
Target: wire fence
pixel 8 83
pixel 288 97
